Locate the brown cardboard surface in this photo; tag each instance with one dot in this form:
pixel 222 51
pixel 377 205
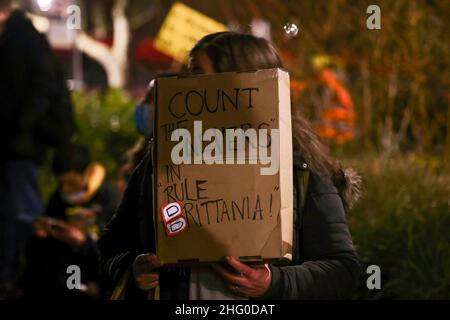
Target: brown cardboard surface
pixel 231 209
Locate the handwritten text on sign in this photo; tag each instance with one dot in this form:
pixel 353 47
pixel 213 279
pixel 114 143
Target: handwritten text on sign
pixel 201 210
pixel 210 134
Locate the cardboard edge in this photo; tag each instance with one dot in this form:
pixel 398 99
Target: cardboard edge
pixel 274 72
pixel 154 157
pixel 286 171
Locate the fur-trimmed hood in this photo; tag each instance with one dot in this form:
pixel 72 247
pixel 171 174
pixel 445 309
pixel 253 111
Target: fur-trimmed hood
pixel 347 181
pixel 349 184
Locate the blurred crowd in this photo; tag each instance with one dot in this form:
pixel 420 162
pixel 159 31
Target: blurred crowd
pixel 38 241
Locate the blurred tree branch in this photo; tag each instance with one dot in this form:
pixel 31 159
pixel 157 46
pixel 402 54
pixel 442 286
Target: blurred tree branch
pixel 113 59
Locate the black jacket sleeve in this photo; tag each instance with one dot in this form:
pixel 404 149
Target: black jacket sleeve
pixel 330 265
pixel 56 207
pixel 42 84
pixel 120 242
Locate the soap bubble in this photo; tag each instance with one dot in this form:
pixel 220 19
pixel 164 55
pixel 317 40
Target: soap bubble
pixel 290 29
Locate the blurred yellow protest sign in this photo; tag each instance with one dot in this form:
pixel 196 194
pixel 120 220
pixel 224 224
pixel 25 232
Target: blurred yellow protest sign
pixel 181 30
pixel 321 61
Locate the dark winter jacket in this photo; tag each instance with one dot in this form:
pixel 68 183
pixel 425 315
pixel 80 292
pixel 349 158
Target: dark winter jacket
pixel 31 84
pixel 325 264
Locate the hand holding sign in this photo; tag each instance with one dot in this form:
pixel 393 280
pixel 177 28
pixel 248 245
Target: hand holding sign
pixel 145 271
pixel 250 282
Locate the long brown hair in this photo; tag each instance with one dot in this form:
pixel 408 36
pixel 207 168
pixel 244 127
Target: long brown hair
pixel 231 51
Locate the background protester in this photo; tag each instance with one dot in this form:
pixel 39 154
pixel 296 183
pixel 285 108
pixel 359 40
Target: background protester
pixel 143 120
pixel 36 114
pixel 131 160
pixel 67 233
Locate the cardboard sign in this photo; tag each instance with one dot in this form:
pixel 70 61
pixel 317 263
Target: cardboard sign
pixel 181 30
pixel 213 198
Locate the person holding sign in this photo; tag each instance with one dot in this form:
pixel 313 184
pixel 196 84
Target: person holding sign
pixel 324 263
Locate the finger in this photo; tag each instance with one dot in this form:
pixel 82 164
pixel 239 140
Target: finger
pixel 148 286
pixel 241 291
pixel 41 234
pixel 244 292
pixel 59 225
pixel 154 262
pixel 239 266
pixel 235 280
pixel 149 277
pixel 259 266
pixel 146 263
